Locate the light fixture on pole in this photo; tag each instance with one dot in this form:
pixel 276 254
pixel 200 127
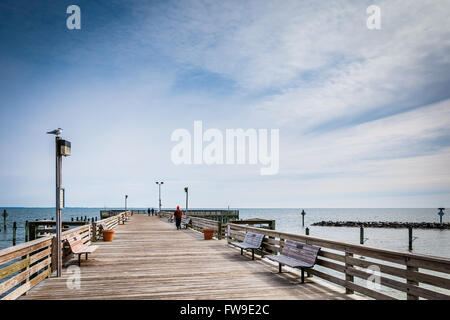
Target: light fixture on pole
pixel 186 189
pixel 63 148
pixel 126 197
pixel 159 185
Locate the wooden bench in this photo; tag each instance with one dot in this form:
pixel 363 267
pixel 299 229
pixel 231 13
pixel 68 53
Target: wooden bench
pixel 122 219
pixel 186 222
pixel 77 247
pixel 296 255
pixel 251 241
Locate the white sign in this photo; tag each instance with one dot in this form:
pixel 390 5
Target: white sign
pixel 62 198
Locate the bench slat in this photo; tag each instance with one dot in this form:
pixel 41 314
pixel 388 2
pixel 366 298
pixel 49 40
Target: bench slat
pixel 77 247
pixel 251 241
pixel 296 254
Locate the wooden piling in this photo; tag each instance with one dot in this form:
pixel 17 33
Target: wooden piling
pixel 410 238
pixel 361 235
pixel 14 233
pixel 5 214
pixel 26 231
pixel 307 231
pixel 303 218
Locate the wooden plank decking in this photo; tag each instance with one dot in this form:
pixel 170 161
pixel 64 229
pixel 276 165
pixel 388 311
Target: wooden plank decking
pixel 150 259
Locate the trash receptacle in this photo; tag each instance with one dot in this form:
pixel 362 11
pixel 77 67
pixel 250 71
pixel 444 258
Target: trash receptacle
pixel 208 233
pixel 108 235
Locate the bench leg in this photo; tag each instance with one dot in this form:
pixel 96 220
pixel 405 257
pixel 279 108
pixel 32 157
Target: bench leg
pixel 253 254
pixel 279 267
pixel 303 275
pixel 242 251
pixel 79 259
pixel 86 255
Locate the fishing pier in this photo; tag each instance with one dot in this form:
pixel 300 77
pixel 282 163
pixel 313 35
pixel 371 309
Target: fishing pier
pixel 150 259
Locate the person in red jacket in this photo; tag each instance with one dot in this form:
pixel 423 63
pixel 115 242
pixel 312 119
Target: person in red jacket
pixel 177 215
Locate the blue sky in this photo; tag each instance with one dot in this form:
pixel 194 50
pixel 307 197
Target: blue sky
pixel 364 115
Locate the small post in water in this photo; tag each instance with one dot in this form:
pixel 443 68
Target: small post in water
pixel 441 214
pixel 4 219
pixel 303 218
pixel 27 231
pixel 14 233
pixel 410 238
pixel 307 231
pixel 361 235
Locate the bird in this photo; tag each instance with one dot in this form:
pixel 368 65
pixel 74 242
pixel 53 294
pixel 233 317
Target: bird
pixel 56 132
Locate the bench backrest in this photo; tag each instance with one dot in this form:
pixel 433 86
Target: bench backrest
pixel 188 220
pixel 75 242
pixel 254 239
pixel 300 251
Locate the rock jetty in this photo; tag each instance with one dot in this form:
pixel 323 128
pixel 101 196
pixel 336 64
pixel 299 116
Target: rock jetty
pixel 383 224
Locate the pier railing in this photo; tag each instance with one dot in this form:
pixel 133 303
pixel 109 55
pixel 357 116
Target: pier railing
pixel 110 213
pixel 359 268
pixel 214 214
pixel 66 253
pixel 41 228
pixel 108 223
pixel 23 266
pixel 199 224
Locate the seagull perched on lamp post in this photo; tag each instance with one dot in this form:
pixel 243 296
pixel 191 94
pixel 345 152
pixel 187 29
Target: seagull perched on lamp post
pixel 56 132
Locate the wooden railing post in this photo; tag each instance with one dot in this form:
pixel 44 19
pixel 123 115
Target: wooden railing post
pixel 94 232
pixel 54 254
pixel 219 230
pixel 409 280
pixel 348 278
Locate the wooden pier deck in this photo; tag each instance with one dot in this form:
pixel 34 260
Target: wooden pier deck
pixel 150 259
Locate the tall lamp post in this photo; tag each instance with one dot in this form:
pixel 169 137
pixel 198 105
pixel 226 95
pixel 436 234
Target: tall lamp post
pixel 186 189
pixel 126 197
pixel 159 185
pixel 63 148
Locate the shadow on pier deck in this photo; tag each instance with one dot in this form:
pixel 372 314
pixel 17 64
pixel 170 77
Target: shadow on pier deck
pixel 149 259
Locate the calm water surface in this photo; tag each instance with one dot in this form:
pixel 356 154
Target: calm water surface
pixel 433 242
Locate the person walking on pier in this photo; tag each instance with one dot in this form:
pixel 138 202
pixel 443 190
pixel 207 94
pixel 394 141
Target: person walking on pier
pixel 153 211
pixel 177 215
pixel 148 212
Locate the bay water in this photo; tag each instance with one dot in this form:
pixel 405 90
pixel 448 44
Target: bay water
pixel 431 242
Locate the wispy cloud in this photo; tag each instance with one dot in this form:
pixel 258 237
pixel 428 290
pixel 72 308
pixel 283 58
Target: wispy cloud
pixel 363 115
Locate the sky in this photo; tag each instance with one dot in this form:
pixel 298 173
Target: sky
pixel 363 115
